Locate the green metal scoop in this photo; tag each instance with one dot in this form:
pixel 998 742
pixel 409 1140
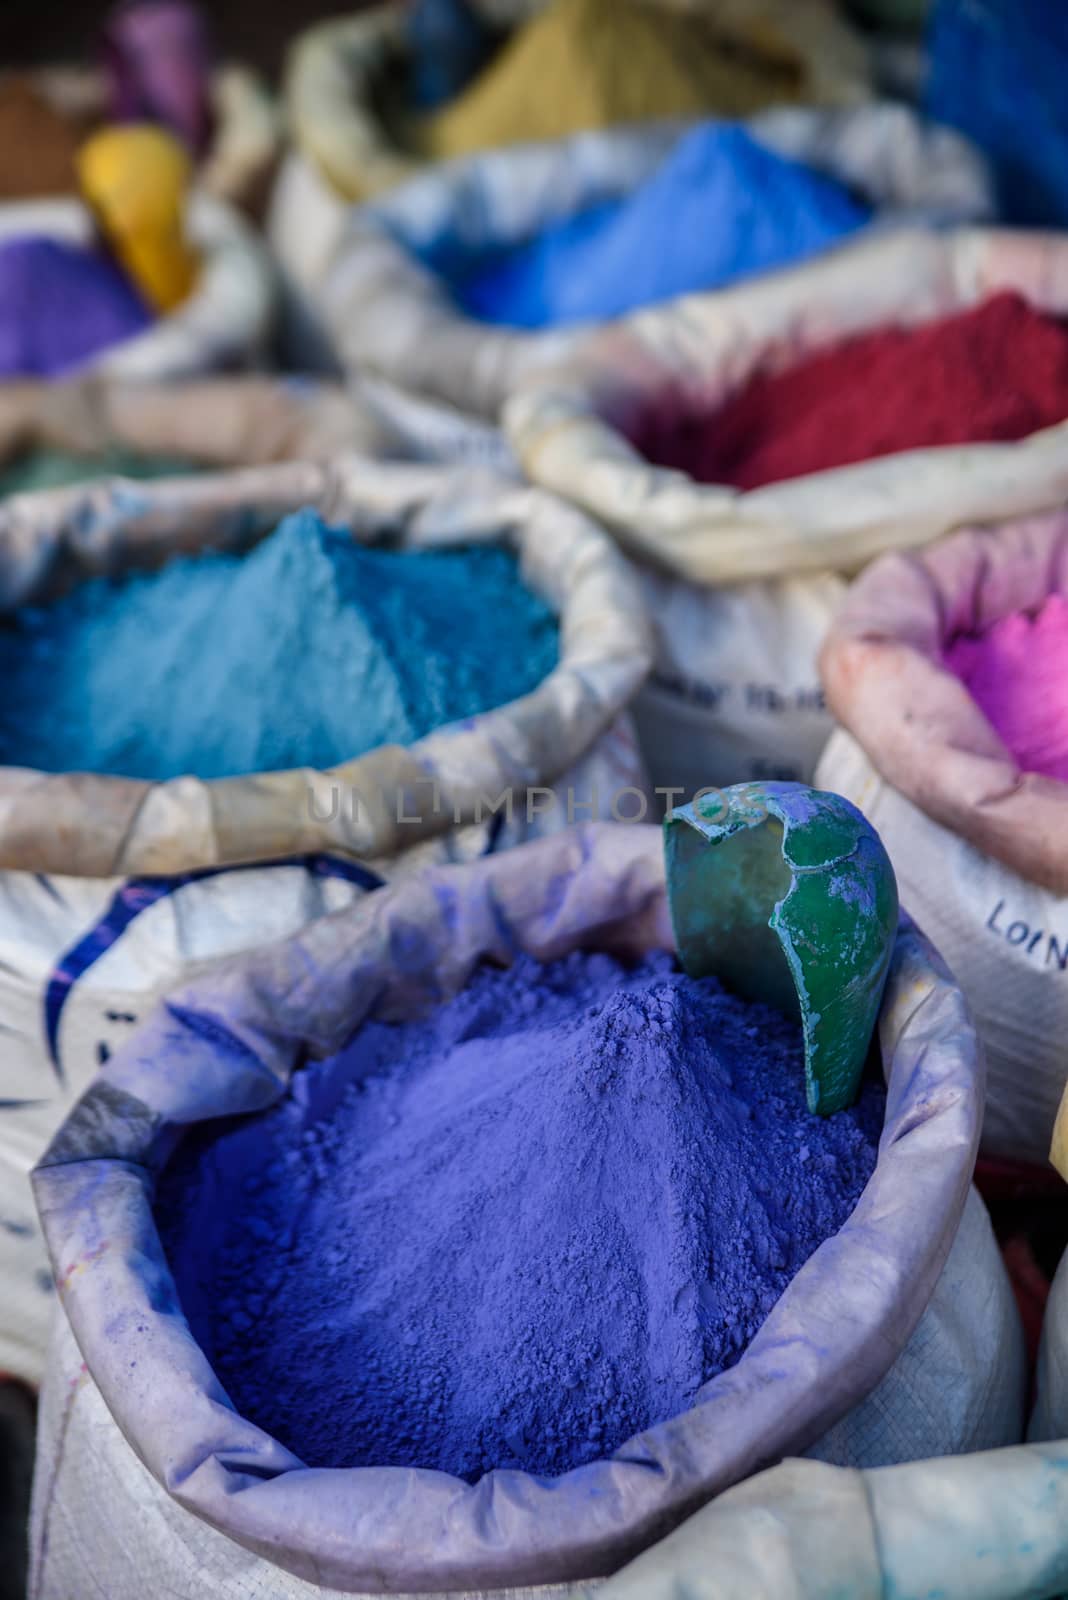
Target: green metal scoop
pixel 787 895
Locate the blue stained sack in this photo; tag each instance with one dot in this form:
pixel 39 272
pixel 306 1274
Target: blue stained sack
pixel 310 651
pixel 998 72
pixel 449 44
pixel 60 304
pixel 721 207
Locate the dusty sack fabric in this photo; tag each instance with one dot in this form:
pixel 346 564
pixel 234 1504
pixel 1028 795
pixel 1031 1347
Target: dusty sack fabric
pixel 387 313
pixel 823 1362
pixel 223 421
pixel 980 848
pixel 224 323
pixel 568 426
pixel 82 960
pixel 100 826
pixel 246 420
pixel 1050 1417
pixel 980 1527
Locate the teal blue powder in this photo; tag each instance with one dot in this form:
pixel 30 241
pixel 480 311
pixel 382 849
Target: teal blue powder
pixel 309 651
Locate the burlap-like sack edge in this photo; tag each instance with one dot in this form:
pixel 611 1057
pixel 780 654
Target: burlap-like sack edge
pixel 238 1033
pixel 916 722
pixel 331 67
pixel 248 128
pixel 386 313
pixel 568 425
pixel 387 800
pixel 224 322
pixel 245 420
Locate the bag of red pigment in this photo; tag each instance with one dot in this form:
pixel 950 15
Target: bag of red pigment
pixel 462 1244
pixel 947 670
pixel 757 446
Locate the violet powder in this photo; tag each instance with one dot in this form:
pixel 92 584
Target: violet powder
pixel 514 1233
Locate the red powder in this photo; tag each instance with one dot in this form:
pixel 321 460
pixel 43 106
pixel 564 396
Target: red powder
pixel 1017 673
pixel 999 371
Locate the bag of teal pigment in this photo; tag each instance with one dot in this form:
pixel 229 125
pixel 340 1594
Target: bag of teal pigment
pixel 309 651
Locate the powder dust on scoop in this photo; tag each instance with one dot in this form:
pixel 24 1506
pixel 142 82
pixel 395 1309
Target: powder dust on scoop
pixel 515 1233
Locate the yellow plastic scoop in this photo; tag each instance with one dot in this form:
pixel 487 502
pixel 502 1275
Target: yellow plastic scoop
pixel 135 178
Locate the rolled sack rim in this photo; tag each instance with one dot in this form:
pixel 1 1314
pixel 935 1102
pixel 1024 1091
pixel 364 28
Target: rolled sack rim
pixel 916 722
pixel 568 422
pixel 391 313
pixel 231 1041
pixel 98 825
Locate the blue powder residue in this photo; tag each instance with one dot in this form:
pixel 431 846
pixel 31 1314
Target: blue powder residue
pixel 720 207
pixel 309 651
pixel 515 1233
pixel 61 304
pixel 449 44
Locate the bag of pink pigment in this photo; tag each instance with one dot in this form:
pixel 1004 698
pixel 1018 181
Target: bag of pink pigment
pixel 946 668
pixel 473 1364
pixel 723 442
pixel 288 709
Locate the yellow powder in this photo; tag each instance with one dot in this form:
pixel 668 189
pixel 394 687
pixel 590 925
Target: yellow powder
pixel 592 63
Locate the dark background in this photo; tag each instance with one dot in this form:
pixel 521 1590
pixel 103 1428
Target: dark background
pixel 33 32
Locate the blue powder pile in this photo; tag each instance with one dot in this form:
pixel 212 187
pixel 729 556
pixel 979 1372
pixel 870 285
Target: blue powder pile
pixel 59 305
pixel 449 44
pixel 720 207
pixel 309 651
pixel 518 1232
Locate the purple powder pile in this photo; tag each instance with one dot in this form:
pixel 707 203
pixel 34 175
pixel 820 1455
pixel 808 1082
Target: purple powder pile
pixel 515 1233
pixel 60 304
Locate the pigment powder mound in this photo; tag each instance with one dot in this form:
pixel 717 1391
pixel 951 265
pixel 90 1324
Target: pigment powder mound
pixel 309 651
pixel 584 64
pixel 1017 674
pixel 518 1232
pixel 720 207
pixel 60 304
pixel 996 372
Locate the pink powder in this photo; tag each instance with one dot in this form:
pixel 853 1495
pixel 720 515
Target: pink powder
pixel 1017 673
